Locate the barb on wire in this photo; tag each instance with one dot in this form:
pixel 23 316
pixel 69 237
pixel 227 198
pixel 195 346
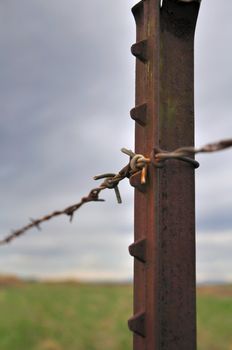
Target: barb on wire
pixel 138 162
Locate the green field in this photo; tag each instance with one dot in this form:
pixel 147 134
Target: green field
pixel 214 306
pixel 36 316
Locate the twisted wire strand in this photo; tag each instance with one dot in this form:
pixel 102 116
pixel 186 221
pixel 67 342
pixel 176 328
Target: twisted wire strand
pixel 92 197
pixel 190 151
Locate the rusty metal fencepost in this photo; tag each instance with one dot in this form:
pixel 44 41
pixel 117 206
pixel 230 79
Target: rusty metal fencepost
pixel 164 248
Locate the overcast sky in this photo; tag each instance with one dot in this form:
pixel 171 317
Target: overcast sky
pixel 66 88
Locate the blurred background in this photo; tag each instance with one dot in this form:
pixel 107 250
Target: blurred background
pixel 66 88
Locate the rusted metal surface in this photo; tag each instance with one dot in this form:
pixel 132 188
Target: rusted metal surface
pixel 139 114
pixel 139 50
pixel 139 249
pixel 140 197
pixel 137 324
pixel 164 282
pixel 135 181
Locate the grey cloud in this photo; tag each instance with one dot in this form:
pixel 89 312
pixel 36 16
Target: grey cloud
pixel 213 56
pixel 66 88
pixel 214 262
pixel 57 255
pixel 62 76
pixel 57 84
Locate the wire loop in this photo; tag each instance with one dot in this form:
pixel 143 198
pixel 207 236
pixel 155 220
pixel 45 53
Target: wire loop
pixel 160 157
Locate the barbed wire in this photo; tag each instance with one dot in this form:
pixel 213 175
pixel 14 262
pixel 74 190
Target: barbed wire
pixel 111 181
pixel 138 162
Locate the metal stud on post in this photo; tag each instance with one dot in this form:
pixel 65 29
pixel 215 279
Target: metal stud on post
pixel 164 248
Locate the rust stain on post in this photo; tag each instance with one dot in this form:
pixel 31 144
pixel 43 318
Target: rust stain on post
pixel 164 282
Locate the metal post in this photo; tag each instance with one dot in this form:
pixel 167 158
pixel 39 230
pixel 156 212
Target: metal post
pixel 164 249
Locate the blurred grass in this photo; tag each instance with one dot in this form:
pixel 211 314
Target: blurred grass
pixel 214 305
pixel 64 316
pixel 40 316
